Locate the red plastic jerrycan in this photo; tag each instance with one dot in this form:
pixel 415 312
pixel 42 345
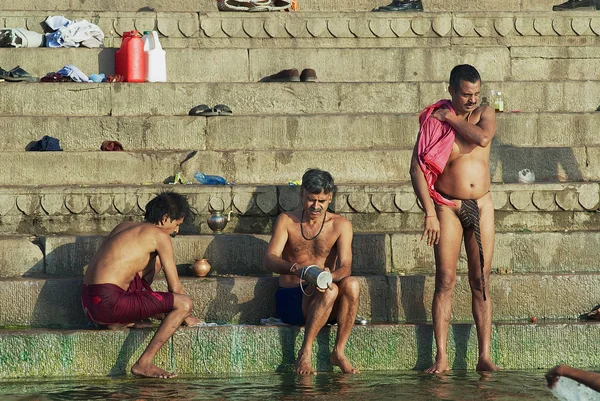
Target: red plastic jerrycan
pixel 130 61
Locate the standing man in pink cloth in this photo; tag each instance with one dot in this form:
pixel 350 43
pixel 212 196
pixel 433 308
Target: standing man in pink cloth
pixel 450 176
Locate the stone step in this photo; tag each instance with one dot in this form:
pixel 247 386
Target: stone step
pixel 260 349
pixel 276 167
pixel 338 29
pixel 262 98
pixel 56 302
pixel 518 131
pixel 497 63
pixel 88 210
pixel 306 5
pixel 398 253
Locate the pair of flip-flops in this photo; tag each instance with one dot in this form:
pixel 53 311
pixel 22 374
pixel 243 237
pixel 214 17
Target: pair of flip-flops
pixel 205 110
pixel 17 74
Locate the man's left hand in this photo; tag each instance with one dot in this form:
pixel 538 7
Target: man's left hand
pixel 441 114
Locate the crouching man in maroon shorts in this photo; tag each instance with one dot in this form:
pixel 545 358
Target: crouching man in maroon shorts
pixel 116 286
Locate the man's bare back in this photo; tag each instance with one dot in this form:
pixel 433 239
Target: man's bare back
pixel 126 251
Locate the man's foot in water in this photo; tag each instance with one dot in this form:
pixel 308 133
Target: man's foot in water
pixel 486 365
pixel 440 366
pixel 151 371
pixel 340 360
pixel 303 366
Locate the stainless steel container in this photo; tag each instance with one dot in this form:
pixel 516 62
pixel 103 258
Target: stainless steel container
pixel 313 274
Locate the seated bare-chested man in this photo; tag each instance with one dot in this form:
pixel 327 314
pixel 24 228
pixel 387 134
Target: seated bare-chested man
pixel 116 286
pixel 308 236
pixel 450 176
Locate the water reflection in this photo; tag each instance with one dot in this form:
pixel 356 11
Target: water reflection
pixel 413 386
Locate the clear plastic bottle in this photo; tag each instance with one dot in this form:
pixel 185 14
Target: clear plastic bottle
pixel 499 103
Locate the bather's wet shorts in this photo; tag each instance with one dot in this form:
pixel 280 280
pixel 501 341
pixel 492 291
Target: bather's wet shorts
pixel 288 304
pixel 110 304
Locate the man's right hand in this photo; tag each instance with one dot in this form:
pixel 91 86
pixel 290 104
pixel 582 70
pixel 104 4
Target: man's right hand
pixel 431 230
pixel 554 374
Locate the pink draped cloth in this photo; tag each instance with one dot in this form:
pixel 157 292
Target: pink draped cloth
pixel 436 139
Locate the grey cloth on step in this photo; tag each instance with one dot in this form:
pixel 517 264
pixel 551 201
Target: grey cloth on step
pixel 19 37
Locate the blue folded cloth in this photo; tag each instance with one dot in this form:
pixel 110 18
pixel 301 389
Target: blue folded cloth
pixel 74 73
pixel 209 179
pixel 47 143
pixel 97 78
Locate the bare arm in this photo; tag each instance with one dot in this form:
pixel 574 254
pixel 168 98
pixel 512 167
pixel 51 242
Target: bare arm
pixel 164 247
pixel 590 379
pixel 480 134
pixel 273 261
pixel 344 249
pixel 431 227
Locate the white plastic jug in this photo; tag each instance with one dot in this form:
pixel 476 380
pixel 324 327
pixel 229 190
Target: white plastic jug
pixel 156 59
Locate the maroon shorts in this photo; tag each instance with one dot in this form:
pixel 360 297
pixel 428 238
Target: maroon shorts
pixel 110 304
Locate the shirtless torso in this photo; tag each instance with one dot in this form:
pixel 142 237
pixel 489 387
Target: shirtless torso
pixel 467 173
pixel 321 251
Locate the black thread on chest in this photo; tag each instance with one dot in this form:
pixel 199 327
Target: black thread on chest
pixel 302 229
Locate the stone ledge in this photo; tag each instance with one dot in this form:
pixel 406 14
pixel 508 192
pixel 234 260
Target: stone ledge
pixel 261 200
pixel 331 25
pixel 263 98
pixel 253 349
pixel 371 208
pixel 556 132
pixel 56 302
pixel 398 253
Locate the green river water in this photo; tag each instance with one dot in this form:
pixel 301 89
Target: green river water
pixel 412 386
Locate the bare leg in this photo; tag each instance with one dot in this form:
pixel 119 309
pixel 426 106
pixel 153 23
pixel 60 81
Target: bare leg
pixel 344 310
pixel 446 257
pixel 317 309
pixel 182 307
pixel 149 274
pixel 482 310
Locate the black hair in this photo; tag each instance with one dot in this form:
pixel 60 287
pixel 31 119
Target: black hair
pixel 167 203
pixel 463 72
pixel 315 181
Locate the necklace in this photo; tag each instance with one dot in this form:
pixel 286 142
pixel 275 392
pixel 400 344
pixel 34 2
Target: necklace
pixel 320 229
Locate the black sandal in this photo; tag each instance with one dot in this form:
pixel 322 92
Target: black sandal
pixel 203 110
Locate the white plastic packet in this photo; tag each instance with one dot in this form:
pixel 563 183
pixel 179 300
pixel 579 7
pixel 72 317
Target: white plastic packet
pixel 526 176
pixel 569 390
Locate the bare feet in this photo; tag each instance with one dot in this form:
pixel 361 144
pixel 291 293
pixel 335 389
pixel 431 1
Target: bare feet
pixel 485 364
pixel 192 321
pixel 339 359
pixel 303 366
pixel 151 371
pixel 440 366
